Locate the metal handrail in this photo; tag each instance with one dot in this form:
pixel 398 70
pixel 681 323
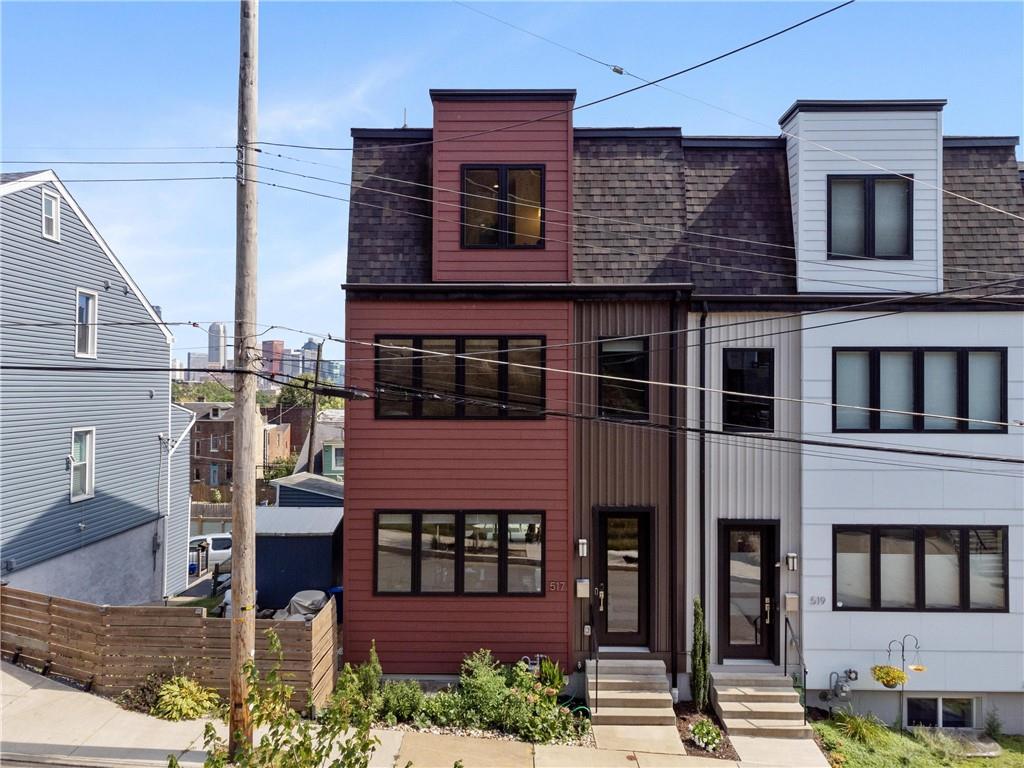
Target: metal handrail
pixel 790 632
pixel 595 652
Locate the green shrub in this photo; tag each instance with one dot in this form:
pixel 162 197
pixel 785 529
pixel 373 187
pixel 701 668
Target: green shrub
pixel 700 659
pixel 550 674
pixel 993 724
pixel 862 728
pixel 445 708
pixel 531 711
pixel 370 675
pixel 286 739
pixel 705 734
pixel 183 698
pixel 401 701
pixel 482 685
pixel 143 697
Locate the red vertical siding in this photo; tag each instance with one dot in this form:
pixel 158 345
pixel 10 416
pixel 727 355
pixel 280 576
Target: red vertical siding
pixel 547 142
pixel 444 465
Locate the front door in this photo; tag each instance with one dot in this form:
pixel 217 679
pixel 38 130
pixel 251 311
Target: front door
pixel 747 606
pixel 622 577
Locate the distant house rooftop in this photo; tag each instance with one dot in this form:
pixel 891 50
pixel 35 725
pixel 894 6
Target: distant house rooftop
pixel 307 481
pixel 298 521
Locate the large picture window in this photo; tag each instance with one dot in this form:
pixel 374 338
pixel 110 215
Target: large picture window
pixel 619 359
pixel 502 206
pixel 750 372
pixel 870 217
pixel 460 377
pixel 896 389
pixel 459 553
pixel 919 568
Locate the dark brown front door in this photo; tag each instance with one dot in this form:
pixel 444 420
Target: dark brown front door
pixel 623 575
pixel 748 604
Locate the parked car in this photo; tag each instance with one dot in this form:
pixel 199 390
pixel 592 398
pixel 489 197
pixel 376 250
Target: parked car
pixel 217 544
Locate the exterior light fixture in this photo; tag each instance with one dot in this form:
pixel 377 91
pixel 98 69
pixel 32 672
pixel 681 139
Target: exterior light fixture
pixel 581 547
pixel 791 561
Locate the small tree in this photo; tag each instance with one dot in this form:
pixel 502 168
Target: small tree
pixel 700 658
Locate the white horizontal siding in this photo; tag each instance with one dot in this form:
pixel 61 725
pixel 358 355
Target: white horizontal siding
pixel 963 651
pixel 901 142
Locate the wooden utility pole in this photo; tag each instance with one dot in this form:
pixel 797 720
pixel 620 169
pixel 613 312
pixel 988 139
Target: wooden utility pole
pixel 243 509
pixel 311 451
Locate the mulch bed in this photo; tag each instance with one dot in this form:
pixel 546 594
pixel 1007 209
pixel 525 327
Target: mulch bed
pixel 685 715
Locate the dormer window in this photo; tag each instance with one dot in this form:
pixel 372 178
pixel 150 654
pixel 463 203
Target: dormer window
pixel 502 206
pixel 870 217
pixel 51 215
pixel 215 413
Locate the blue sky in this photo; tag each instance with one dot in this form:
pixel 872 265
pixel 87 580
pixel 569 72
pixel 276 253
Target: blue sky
pixel 140 74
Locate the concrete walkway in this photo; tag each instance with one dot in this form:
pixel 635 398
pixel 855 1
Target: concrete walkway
pixel 43 722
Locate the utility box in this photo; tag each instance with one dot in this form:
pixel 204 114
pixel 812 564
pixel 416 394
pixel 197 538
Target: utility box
pixel 583 588
pixel 792 602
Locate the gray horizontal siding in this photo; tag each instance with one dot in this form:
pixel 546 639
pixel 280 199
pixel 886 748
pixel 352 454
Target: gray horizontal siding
pixel 38 409
pixel 176 527
pixel 296 497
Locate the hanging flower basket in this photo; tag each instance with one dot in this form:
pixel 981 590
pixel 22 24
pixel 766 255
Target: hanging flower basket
pixel 888 675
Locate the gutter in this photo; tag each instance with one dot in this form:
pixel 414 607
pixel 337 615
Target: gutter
pixel 702 454
pixel 673 491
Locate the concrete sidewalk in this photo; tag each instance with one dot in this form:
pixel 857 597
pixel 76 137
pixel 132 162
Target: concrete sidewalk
pixel 43 722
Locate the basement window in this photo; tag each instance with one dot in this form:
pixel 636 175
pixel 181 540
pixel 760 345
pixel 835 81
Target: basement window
pixel 502 206
pixel 940 711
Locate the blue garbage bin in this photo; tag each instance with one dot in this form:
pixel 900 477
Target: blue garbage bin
pixel 338 593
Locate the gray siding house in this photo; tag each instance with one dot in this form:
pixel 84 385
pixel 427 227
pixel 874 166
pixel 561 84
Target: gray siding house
pixel 94 458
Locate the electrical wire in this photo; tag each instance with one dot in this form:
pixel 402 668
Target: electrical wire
pixel 595 102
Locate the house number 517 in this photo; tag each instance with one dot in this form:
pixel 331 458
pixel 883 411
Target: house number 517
pixel 556 586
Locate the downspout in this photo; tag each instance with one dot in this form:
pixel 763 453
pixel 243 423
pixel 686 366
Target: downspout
pixel 702 454
pixel 673 486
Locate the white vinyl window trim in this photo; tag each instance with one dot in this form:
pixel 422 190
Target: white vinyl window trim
pixel 50 219
pixel 82 460
pixel 86 338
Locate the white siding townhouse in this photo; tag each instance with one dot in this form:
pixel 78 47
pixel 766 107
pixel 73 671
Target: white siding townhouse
pixel 94 486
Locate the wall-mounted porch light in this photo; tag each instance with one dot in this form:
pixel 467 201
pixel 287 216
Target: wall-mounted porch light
pixel 791 561
pixel 581 547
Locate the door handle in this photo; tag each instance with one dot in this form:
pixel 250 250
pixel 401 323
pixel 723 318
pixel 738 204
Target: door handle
pixel 600 599
pixel 767 611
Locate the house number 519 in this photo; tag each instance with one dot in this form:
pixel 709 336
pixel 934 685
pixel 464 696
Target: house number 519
pixel 556 586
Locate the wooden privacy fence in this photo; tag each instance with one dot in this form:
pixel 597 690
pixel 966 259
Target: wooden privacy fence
pixel 113 648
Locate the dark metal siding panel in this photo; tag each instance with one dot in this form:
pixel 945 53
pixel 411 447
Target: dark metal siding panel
pixel 289 564
pixel 627 465
pixel 296 497
pixel 128 409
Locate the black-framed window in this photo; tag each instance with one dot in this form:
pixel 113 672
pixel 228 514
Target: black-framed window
pixel 465 552
pixel 920 568
pixel 960 389
pixel 751 371
pixel 623 359
pixel 870 217
pixel 940 711
pixel 502 206
pixel 460 377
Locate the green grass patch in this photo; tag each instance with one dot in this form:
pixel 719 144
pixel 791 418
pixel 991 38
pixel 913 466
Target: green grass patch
pixel 209 603
pixel 888 749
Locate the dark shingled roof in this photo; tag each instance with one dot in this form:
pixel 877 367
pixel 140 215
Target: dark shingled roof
pixel 977 238
pixel 389 237
pixel 15 175
pixel 727 187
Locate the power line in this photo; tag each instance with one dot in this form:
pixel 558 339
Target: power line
pixel 607 249
pixel 546 209
pixel 603 99
pixel 623 71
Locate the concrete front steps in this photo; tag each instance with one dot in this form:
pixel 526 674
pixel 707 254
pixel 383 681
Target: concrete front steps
pixel 629 692
pixel 758 704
